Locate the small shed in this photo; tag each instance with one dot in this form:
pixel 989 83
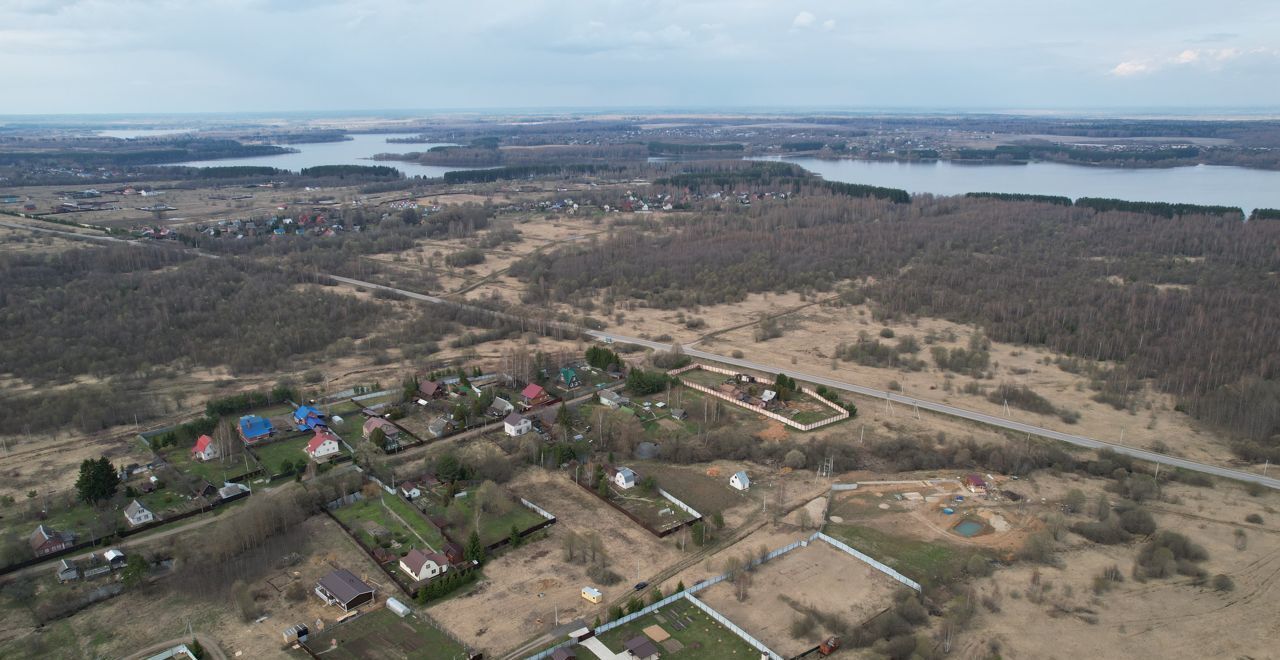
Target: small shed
pixel 740 480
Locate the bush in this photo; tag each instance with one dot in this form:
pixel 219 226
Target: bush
pixel 886 333
pixel 794 459
pixel 978 566
pixel 1253 518
pixel 1169 552
pixel 1223 582
pixel 1138 521
pixel 1106 532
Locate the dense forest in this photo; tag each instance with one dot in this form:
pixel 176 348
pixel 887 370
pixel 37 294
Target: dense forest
pixel 1188 301
pixel 106 152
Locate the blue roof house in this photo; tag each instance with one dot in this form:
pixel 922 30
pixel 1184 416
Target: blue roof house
pixel 306 418
pixel 254 428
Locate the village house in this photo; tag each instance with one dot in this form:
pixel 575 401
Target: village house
pixel 410 490
pixel 534 395
pixel 439 426
pixel 323 446
pixel 612 399
pixel 976 484
pixel 641 648
pixel 204 450
pixel 430 389
pixel 500 408
pixel 740 481
pixel 569 377
pixel 255 429
pixel 306 418
pixel 625 478
pixel 516 424
pixel 424 565
pixel 389 430
pixel 45 541
pixel 342 588
pixel 67 571
pixel 137 514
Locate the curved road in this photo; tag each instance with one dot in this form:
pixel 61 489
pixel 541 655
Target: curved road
pixel 932 406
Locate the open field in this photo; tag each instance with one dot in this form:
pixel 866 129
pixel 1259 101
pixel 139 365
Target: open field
pixel 523 588
pixel 1171 618
pixel 701 636
pixel 382 634
pixel 819 577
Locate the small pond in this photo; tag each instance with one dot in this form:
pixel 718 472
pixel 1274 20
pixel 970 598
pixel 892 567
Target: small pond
pixel 968 528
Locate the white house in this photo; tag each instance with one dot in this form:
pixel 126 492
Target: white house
pixel 137 514
pixel 625 478
pixel 612 399
pixel 740 480
pixel 322 446
pixel 204 450
pixel 516 424
pixel 410 490
pixel 423 565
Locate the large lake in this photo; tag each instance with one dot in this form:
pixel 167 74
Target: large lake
pixel 1201 184
pixel 356 151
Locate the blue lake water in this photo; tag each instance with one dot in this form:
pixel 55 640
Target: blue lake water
pixel 967 528
pixel 1201 184
pixel 357 151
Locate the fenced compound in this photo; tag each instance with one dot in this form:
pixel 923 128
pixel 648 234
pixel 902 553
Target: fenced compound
pixel 841 413
pixel 837 543
pixel 732 627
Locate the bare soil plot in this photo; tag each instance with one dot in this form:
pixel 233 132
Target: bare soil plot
pixel 522 588
pixel 383 634
pixel 818 576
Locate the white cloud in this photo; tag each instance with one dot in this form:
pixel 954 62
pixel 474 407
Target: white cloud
pixel 803 20
pixel 829 24
pixel 1187 56
pixel 1132 68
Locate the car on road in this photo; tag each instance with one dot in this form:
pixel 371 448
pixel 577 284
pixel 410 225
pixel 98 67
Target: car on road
pixel 641 585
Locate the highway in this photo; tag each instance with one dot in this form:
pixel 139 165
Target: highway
pixel 923 404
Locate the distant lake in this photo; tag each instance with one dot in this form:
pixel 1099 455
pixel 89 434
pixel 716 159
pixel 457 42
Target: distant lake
pixel 144 132
pixel 357 151
pixel 1200 184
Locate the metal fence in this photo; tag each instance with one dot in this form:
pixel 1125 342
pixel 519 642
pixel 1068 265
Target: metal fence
pixel 873 563
pixel 545 653
pixel 680 505
pixel 537 509
pixel 733 627
pixel 843 487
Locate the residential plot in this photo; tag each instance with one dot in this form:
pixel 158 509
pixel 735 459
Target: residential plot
pixel 524 590
pixel 682 630
pixel 383 634
pixel 499 514
pixel 818 577
pixel 388 521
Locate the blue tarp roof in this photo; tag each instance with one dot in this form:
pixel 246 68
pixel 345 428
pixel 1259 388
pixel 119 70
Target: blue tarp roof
pixel 252 426
pixel 304 412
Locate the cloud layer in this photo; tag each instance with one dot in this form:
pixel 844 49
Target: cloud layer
pixel 260 55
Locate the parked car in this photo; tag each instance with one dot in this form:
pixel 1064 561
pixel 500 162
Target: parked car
pixel 641 585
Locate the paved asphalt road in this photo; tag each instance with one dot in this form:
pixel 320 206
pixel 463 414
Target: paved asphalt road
pixel 1078 440
pixel 945 409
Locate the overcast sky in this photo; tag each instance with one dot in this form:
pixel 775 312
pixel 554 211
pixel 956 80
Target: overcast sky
pixel 97 56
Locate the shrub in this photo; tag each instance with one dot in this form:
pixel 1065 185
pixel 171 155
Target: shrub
pixel 886 333
pixel 1253 518
pixel 1223 582
pixel 1137 521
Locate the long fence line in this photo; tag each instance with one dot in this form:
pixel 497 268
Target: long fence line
pixel 841 415
pixel 545 653
pixel 681 505
pixel 837 543
pixel 733 627
pixel 633 517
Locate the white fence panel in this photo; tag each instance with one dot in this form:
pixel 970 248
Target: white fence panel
pixel 733 627
pixel 680 505
pixel 873 563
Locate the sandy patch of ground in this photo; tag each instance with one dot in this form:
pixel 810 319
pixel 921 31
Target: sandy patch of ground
pixel 817 576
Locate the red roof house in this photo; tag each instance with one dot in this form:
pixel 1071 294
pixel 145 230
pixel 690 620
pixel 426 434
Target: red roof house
pixel 204 449
pixel 533 394
pixel 322 446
